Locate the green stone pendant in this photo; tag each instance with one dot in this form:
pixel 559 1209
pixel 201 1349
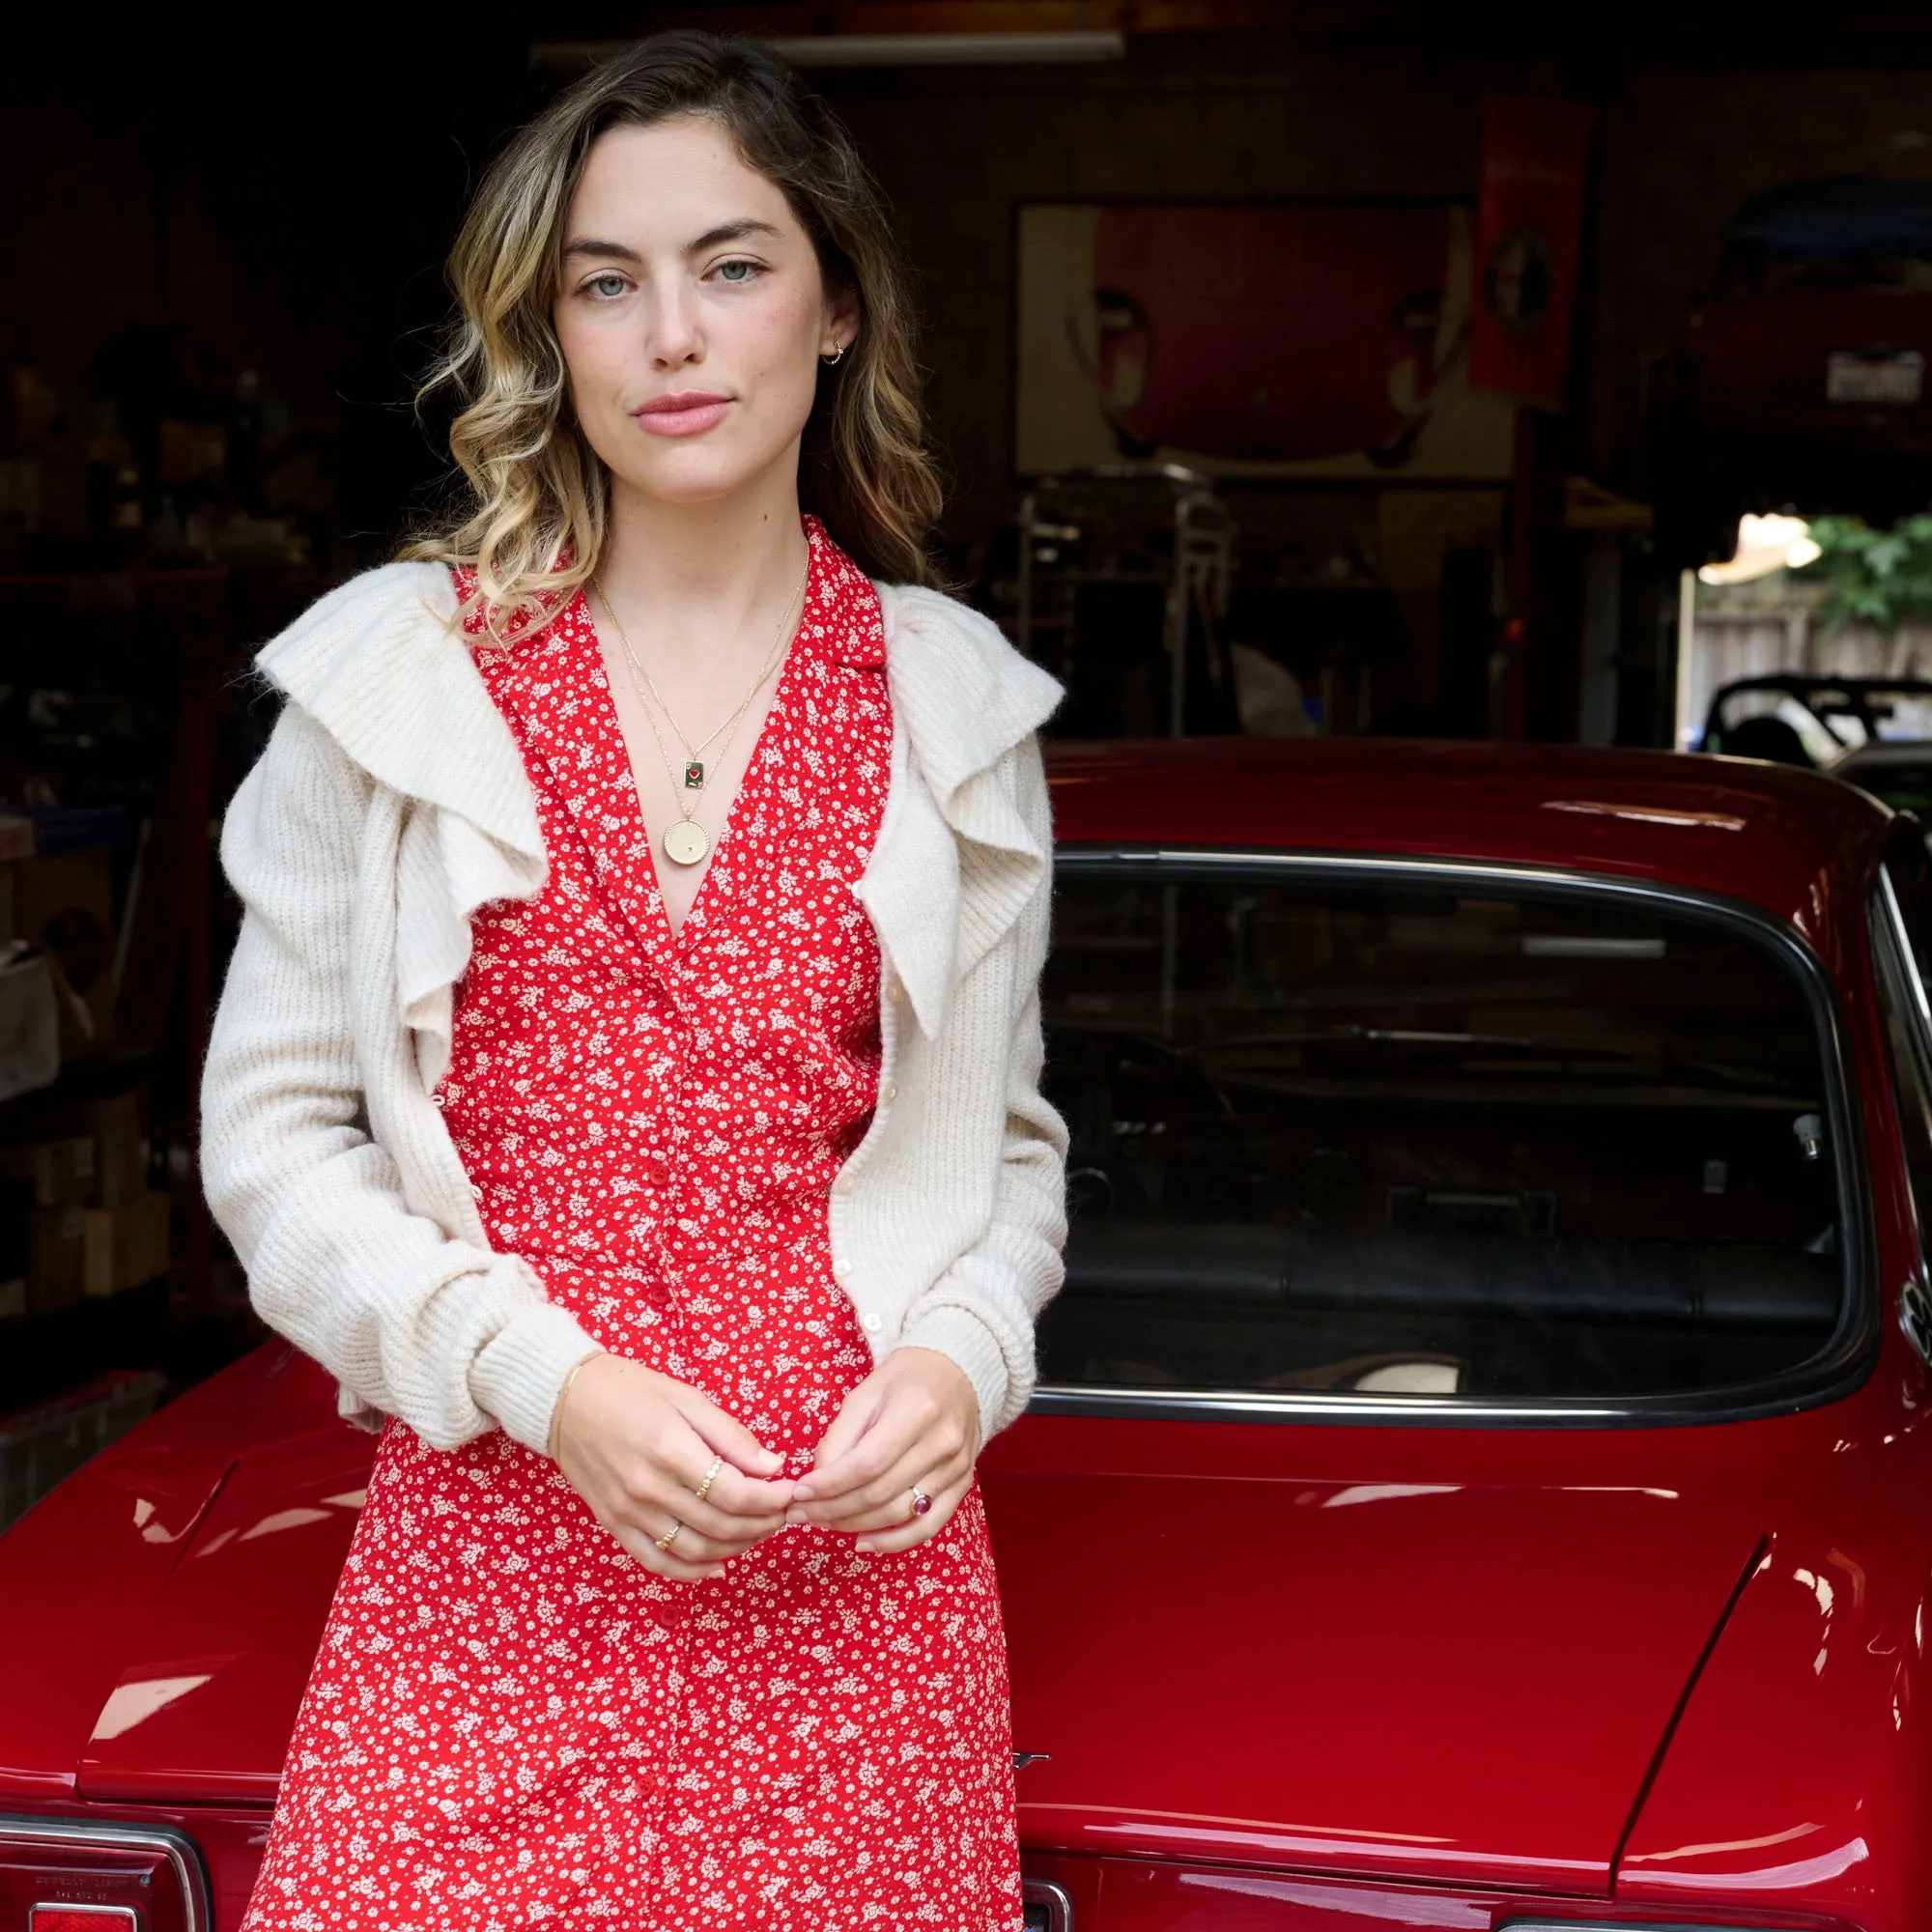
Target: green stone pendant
pixel 694 775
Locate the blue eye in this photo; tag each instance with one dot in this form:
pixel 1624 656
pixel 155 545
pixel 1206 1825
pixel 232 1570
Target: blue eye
pixel 605 285
pixel 737 272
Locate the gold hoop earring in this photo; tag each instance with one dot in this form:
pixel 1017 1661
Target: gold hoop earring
pixel 836 356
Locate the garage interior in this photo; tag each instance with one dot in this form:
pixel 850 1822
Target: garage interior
pixel 1441 454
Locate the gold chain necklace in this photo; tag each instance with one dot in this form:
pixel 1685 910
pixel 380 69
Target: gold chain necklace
pixel 686 843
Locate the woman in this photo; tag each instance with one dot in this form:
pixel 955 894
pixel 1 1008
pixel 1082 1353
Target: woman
pixel 626 1080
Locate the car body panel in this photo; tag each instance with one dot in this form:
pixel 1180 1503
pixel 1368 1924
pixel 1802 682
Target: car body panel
pixel 1730 826
pixel 1494 1733
pixel 206 1697
pixel 1817 1688
pixel 84 1573
pixel 1358 1652
pixel 1354 1673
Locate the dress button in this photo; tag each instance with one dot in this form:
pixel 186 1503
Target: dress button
pixel 841 1268
pixel 895 986
pixel 891 1092
pixel 871 1323
pixel 843 1186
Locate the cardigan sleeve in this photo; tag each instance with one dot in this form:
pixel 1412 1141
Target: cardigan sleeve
pixel 410 1322
pixel 983 1310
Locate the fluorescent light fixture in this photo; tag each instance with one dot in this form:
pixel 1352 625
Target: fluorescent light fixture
pixel 882 50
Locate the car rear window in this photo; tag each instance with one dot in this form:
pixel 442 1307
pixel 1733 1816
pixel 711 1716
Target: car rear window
pixel 1395 1134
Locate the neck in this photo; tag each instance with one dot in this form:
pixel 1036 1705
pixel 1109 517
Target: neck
pixel 695 570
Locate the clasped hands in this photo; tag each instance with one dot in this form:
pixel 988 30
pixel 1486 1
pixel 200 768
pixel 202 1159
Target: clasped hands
pixel 637 1445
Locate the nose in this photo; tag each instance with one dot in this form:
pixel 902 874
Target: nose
pixel 675 333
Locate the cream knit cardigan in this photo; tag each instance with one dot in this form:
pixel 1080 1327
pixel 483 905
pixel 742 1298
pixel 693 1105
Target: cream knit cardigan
pixel 390 803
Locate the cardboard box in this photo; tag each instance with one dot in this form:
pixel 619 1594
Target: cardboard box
pixel 127 1245
pixel 61 1171
pixel 56 1257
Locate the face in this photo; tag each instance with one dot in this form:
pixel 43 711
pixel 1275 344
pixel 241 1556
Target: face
pixel 692 313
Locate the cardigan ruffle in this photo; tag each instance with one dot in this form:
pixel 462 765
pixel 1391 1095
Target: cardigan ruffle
pixel 391 802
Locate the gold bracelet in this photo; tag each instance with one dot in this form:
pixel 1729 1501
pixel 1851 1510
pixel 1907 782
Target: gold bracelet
pixel 563 1396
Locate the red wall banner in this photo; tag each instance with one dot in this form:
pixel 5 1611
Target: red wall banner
pixel 1529 219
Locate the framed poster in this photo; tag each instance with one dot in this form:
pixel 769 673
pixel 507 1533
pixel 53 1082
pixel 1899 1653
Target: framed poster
pixel 1318 341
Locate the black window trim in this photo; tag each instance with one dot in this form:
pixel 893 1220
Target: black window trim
pixel 1836 1371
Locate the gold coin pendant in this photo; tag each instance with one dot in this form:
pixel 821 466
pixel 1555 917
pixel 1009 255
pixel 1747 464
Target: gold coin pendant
pixel 684 844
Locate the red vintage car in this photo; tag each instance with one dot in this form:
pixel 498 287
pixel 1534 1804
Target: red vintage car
pixel 1481 1471
pixel 1818 330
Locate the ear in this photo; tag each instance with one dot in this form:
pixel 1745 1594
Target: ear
pixel 843 313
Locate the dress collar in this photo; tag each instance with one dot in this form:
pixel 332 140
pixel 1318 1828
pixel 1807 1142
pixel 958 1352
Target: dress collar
pixel 381 667
pixel 840 621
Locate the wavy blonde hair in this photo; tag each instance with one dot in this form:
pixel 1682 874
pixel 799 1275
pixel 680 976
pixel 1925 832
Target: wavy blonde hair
pixel 533 501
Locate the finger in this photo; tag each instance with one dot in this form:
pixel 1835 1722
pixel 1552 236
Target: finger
pixel 908 1444
pixel 691 1545
pixel 909 1534
pixel 723 1434
pixel 740 1495
pixel 888 1502
pixel 893 1510
pixel 874 1455
pixel 729 1500
pixel 665 1562
pixel 857 1415
pixel 650 1512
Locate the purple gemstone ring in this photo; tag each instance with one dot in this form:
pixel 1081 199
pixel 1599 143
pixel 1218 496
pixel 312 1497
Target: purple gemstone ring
pixel 921 1502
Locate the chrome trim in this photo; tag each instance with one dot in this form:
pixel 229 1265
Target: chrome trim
pixel 1901 988
pixel 1058 1907
pixel 1901 940
pixel 116 1834
pixel 1840 1367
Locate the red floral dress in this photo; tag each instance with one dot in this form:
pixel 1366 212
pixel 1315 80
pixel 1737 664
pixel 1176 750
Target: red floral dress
pixel 511 1723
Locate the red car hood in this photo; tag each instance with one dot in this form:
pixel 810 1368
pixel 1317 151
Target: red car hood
pixel 207 1694
pixel 1442 1670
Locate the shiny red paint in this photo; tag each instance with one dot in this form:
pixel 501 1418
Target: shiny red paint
pixel 1283 1674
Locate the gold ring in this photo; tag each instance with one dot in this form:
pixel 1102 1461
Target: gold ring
pixel 670 1536
pixel 921 1502
pixel 703 1489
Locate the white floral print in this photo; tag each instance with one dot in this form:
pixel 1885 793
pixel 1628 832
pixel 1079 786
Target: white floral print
pixel 511 1723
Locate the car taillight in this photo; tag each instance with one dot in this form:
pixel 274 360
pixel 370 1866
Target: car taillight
pixel 61 1875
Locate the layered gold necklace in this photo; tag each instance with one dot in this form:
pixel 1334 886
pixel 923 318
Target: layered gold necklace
pixel 687 841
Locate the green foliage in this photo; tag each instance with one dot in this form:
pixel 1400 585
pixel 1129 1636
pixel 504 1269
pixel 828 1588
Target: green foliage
pixel 1881 578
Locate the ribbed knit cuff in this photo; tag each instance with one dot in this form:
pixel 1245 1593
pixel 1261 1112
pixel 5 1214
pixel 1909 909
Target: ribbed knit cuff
pixel 960 1336
pixel 517 1377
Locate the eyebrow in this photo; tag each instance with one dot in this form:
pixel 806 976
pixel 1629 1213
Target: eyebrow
pixel 712 238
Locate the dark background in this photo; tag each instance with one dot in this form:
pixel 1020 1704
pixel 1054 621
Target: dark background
pixel 245 230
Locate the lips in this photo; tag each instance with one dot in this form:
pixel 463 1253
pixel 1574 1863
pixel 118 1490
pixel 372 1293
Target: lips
pixel 690 413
